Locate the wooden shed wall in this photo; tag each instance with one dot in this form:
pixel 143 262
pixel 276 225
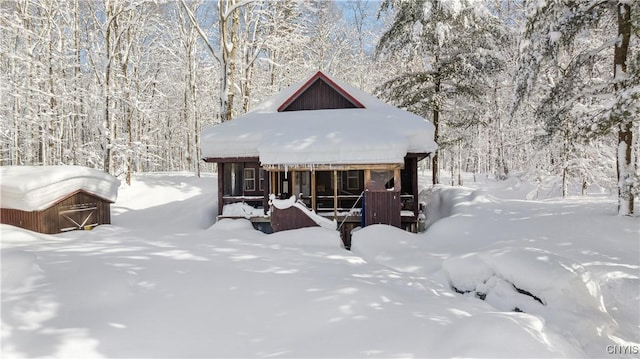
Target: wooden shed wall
pixel 48 220
pixel 103 210
pixel 320 96
pixel 27 220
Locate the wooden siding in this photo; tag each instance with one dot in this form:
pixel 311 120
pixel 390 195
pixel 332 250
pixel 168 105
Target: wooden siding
pixel 290 218
pixel 382 207
pixel 251 197
pixel 319 96
pixel 51 221
pixel 27 220
pixel 102 213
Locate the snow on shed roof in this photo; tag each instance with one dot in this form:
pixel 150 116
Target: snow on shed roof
pixel 34 188
pixel 376 133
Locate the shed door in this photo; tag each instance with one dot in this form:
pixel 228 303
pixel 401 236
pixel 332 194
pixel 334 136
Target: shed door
pixel 78 216
pixel 382 207
pixel 382 198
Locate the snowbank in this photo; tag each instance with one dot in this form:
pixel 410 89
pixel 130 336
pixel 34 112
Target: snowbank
pixel 33 188
pixel 307 237
pixel 523 256
pixel 162 282
pixel 442 200
pixel 241 210
pixel 537 282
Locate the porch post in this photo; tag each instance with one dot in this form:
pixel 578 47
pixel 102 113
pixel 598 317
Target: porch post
pixel 414 187
pixel 367 178
pixel 293 184
pixel 313 190
pixel 272 186
pixel 266 185
pixel 335 194
pixel 220 187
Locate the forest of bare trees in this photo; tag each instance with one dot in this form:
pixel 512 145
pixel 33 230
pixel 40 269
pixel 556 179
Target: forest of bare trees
pixel 127 86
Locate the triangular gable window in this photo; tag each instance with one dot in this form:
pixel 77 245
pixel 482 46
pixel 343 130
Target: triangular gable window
pixel 319 93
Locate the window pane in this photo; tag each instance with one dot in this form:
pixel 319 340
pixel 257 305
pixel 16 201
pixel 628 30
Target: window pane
pixel 261 183
pixel 232 179
pixel 249 179
pixel 353 180
pixel 381 180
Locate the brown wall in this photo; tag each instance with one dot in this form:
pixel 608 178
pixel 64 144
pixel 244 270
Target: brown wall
pixel 48 220
pixel 319 96
pixel 290 218
pixel 28 220
pixel 222 192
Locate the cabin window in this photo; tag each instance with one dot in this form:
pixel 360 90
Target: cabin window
pixel 353 180
pixel 381 180
pixel 232 179
pixel 261 179
pixel 249 179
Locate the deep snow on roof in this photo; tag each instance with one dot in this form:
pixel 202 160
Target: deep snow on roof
pixel 34 188
pixel 378 133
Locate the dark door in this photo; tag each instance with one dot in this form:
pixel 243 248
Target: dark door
pixel 382 207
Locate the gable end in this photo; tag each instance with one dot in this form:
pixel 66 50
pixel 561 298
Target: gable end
pixel 319 93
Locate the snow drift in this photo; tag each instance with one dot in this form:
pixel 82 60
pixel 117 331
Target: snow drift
pixel 165 281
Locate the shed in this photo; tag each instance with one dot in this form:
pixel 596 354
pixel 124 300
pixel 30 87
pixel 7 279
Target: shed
pixel 343 153
pixel 54 199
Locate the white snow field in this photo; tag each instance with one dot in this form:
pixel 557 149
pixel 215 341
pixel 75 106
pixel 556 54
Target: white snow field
pixel 495 275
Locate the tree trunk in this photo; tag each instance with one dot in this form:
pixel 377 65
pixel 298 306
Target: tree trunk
pixel 228 44
pixel 233 55
pixel 459 162
pixel 565 161
pixel 435 166
pixel 128 112
pixel 106 128
pixel 625 129
pixel 625 169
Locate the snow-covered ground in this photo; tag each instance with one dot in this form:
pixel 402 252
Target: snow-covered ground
pixel 495 275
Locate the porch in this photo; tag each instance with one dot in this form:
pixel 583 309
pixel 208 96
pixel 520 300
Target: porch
pixel 351 195
pixel 322 187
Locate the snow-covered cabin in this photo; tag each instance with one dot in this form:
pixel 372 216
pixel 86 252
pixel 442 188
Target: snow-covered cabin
pixel 54 199
pixel 342 152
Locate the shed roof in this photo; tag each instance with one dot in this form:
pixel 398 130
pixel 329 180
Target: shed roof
pixel 34 188
pixel 372 133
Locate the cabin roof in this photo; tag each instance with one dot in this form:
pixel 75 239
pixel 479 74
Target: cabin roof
pixel 372 132
pixel 34 188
